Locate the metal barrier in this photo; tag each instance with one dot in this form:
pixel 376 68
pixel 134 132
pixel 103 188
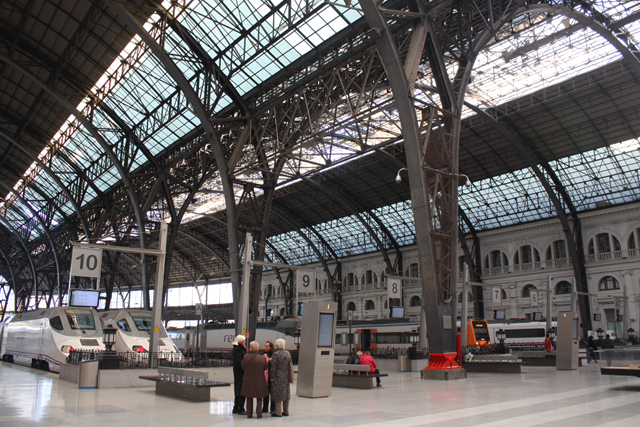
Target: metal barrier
pixel 134 360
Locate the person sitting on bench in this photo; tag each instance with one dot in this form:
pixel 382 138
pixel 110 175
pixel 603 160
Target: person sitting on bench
pixel 367 359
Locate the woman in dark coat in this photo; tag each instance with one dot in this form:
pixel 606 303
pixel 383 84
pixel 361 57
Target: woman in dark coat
pixel 238 352
pixel 279 376
pixel 269 348
pixel 254 383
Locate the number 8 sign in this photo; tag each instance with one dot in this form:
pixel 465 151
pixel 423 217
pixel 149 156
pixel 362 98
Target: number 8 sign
pixel 86 262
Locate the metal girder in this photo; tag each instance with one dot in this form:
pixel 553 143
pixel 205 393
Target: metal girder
pixel 96 135
pixel 202 115
pixel 54 177
pixel 575 252
pixel 17 237
pixel 473 258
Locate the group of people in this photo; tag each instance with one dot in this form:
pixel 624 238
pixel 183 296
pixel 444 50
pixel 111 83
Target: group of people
pixel 260 376
pixel 590 347
pixel 365 358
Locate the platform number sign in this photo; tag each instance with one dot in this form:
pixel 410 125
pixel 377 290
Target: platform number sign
pixel 86 262
pixel 534 298
pixel 496 296
pixel 394 288
pixel 306 280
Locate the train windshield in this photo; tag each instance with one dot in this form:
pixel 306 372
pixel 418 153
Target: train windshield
pixel 81 319
pixel 481 331
pixel 142 321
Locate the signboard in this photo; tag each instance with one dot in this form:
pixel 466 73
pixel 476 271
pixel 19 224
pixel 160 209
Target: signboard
pixel 306 281
pixel 84 298
pixel 86 262
pixel 534 298
pixel 394 288
pixel 496 296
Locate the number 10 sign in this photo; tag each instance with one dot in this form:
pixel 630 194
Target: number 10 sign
pixel 86 262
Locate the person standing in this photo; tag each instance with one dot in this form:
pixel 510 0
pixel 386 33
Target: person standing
pixel 237 354
pixel 367 359
pixel 607 343
pixel 280 376
pixel 254 384
pixel 268 352
pixel 548 345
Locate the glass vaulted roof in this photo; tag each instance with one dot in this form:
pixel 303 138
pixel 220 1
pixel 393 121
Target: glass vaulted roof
pixel 249 41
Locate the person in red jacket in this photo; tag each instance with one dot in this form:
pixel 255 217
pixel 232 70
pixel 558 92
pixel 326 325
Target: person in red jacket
pixel 548 344
pixel 367 359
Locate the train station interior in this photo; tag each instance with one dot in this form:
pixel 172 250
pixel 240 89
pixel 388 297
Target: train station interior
pixel 411 164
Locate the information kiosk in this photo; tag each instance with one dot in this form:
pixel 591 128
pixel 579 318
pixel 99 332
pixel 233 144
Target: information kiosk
pixel 567 341
pixel 317 348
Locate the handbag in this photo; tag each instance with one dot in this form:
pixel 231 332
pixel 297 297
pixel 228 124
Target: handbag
pixel 291 373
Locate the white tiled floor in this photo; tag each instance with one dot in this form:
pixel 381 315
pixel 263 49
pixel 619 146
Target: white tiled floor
pixel 538 396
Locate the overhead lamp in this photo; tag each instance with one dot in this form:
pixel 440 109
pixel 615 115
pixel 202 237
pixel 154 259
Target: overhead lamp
pixel 398 177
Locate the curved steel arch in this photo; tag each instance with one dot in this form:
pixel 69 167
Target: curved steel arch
pixel 13 280
pixel 43 225
pixel 96 135
pixel 27 253
pixel 215 254
pixel 216 146
pixel 54 177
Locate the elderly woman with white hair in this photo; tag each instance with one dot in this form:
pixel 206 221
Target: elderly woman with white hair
pixel 280 376
pixel 238 352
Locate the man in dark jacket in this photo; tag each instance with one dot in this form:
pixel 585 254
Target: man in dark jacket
pixel 254 383
pixel 238 352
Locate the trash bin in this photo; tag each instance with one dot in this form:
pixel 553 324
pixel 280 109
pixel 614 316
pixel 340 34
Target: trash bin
pixel 88 375
pixel 403 363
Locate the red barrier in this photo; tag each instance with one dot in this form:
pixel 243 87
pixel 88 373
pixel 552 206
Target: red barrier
pixel 443 361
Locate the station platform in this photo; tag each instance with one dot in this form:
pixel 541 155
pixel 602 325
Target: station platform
pixel 539 395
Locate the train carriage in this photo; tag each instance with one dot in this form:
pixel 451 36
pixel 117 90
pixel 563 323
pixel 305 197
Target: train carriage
pixel 44 338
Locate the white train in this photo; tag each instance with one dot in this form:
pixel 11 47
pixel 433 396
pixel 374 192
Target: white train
pixel 134 329
pixel 214 337
pixel 390 334
pixel 43 338
pixel 183 338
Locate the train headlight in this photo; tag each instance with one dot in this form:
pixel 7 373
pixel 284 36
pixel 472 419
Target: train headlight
pixel 66 349
pixel 139 349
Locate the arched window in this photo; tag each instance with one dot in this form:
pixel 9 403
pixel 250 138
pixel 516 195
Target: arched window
pixel 369 277
pixel 526 291
pixel 282 312
pixel 609 284
pixel 351 306
pixel 603 246
pixel 526 256
pixel 269 291
pixel 415 301
pixel 563 288
pixel 351 280
pixel 496 260
pixel 469 297
pixel 632 242
pixel 369 305
pixel 412 270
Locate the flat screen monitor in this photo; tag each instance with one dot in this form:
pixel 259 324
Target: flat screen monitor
pixel 84 298
pixel 397 313
pixel 325 330
pixel 537 316
pixel 597 317
pixel 499 314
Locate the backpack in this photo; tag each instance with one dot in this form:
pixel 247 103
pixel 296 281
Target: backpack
pixel 352 359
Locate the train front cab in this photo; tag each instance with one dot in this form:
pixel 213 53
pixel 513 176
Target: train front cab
pixel 478 333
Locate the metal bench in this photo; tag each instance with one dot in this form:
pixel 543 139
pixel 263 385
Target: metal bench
pixel 354 376
pixel 184 383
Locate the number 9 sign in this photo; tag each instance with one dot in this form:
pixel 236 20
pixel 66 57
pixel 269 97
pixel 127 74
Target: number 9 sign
pixel 306 280
pixel 86 262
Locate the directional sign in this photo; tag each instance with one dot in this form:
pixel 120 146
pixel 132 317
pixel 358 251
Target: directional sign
pixel 86 262
pixel 306 281
pixel 394 288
